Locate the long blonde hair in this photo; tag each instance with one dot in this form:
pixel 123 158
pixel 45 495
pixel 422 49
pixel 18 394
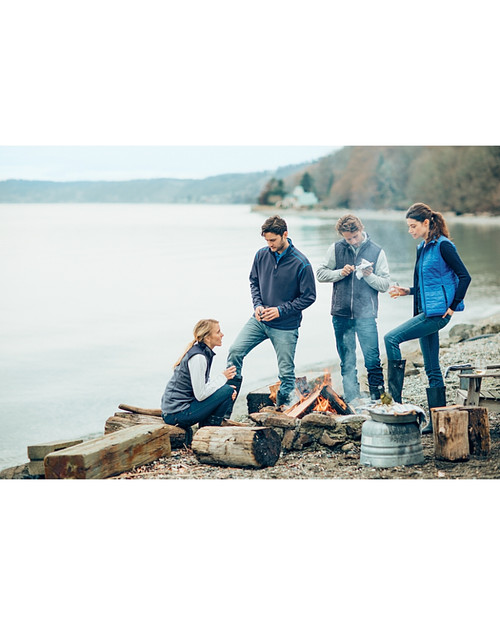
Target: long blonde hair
pixel 201 330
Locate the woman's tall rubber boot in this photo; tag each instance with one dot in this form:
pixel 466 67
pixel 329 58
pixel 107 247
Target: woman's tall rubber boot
pixel 395 378
pixel 436 398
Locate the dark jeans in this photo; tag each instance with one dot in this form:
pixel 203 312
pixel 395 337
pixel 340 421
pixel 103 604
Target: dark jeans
pixel 346 331
pixel 426 329
pixel 214 406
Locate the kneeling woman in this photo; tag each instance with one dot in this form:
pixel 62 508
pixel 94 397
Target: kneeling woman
pixel 440 281
pixel 191 396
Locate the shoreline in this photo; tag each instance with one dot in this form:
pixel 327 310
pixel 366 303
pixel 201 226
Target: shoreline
pixel 453 350
pixel 368 213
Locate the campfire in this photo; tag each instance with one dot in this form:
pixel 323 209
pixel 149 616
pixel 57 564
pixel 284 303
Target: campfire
pixel 322 398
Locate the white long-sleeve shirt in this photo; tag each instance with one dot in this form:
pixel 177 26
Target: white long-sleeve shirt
pixel 197 365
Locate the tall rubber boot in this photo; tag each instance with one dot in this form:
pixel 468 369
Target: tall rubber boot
pixel 376 391
pixel 436 398
pixel 395 378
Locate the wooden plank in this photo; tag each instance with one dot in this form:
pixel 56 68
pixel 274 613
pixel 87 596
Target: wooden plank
pixel 484 402
pixel 38 452
pixel 36 468
pixel 110 454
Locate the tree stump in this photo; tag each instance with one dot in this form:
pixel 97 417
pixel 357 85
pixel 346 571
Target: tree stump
pixel 255 447
pixel 479 430
pixel 451 435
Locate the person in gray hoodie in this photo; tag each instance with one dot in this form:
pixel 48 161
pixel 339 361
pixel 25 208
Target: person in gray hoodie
pixel 358 269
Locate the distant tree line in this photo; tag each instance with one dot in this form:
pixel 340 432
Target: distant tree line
pixel 462 179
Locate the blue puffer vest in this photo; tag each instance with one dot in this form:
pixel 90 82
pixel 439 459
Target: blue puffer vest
pixel 351 297
pixel 179 391
pixel 436 279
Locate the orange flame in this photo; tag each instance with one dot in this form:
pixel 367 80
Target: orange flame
pixel 323 405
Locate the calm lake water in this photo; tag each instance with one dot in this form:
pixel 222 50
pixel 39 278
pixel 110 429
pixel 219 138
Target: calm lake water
pixel 99 300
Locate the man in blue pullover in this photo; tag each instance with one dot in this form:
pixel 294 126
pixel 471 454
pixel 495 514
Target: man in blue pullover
pixel 282 286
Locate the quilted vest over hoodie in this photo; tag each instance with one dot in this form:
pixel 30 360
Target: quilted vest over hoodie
pixel 437 280
pixel 179 394
pixel 351 297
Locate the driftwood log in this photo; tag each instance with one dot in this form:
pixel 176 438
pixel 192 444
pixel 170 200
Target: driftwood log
pixel 155 412
pixel 110 454
pixel 255 447
pixel 451 436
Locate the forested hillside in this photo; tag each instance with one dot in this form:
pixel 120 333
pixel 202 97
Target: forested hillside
pixel 459 179
pixel 222 189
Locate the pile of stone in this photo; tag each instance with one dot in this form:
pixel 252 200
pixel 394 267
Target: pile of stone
pixel 316 428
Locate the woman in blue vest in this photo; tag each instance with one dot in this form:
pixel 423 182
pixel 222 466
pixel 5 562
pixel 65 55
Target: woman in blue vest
pixel 440 281
pixel 191 395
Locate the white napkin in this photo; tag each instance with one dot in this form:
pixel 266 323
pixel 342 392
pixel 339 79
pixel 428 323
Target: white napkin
pixel 362 265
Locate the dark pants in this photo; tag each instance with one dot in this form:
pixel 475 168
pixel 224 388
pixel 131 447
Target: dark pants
pixel 426 329
pixel 346 331
pixel 199 411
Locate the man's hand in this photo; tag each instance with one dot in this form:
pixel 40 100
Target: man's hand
pixel 258 312
pixel 268 314
pixel 348 269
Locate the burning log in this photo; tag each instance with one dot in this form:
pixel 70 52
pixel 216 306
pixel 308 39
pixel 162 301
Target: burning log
pixel 336 401
pixel 323 399
pixel 304 406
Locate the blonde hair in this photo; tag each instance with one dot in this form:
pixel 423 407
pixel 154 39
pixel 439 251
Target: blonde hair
pixel 201 330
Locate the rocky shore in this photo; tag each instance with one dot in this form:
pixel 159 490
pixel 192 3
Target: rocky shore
pixel 465 344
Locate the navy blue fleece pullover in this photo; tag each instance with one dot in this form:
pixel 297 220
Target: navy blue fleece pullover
pixel 287 283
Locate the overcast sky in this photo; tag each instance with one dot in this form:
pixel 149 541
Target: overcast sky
pixel 63 163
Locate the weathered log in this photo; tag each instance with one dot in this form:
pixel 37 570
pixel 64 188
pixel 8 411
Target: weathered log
pixel 479 430
pixel 255 447
pixel 38 452
pixel 451 436
pixel 122 420
pixel 110 454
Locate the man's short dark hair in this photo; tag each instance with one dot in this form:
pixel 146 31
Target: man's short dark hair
pixel 275 224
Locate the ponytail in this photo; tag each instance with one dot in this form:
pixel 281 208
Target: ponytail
pixel 437 224
pixel 201 330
